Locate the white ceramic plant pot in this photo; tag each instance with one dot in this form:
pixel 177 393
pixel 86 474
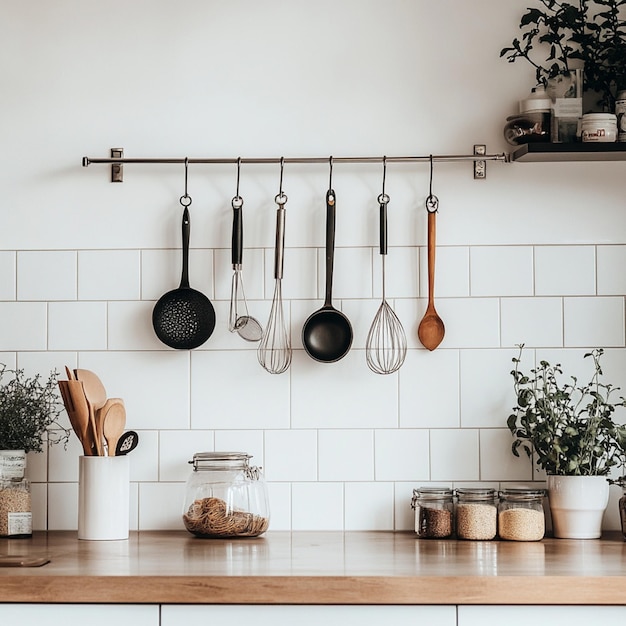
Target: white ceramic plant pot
pixel 577 505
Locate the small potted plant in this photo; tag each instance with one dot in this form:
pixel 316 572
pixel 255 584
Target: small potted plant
pixel 571 432
pixel 29 413
pixel 587 33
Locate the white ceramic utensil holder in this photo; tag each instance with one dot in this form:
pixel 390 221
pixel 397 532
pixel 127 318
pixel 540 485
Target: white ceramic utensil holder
pixel 103 497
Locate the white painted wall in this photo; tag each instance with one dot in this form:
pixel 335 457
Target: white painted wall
pixel 533 254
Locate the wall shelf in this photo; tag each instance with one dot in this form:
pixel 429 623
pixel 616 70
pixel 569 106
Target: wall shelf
pixel 543 152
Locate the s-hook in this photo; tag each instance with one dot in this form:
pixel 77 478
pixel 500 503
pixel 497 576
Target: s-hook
pixel 185 200
pixel 432 202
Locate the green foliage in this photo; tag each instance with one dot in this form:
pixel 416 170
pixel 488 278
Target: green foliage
pixel 590 31
pixel 29 409
pixel 568 426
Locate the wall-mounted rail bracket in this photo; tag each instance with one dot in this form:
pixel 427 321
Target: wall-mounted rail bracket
pixel 117 169
pixel 480 167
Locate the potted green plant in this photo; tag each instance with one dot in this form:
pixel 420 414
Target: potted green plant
pixel 559 36
pixel 570 430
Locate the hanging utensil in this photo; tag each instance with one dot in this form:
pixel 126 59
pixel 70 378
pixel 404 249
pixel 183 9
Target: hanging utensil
pixel 274 352
pixel 246 326
pixel 385 347
pixel 184 318
pixel 327 333
pixel 431 329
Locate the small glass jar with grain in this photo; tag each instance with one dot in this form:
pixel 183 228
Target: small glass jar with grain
pixel 476 514
pixel 520 514
pixel 16 518
pixel 434 512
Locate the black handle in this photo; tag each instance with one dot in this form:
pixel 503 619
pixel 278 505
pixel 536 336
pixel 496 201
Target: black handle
pixel 383 228
pixel 184 281
pixel 237 239
pixel 330 244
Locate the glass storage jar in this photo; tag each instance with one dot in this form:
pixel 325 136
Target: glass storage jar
pixel 476 513
pixel 225 496
pixel 434 512
pixel 520 514
pixel 16 518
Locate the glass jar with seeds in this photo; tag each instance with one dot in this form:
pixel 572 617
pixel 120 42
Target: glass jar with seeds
pixel 16 518
pixel 520 514
pixel 434 512
pixel 476 514
pixel 225 497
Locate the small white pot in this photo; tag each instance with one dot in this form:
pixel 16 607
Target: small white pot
pixel 577 505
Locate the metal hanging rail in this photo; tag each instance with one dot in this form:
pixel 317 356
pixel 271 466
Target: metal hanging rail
pixel 117 160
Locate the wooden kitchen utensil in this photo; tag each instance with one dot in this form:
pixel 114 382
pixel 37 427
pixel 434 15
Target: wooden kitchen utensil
pixel 101 415
pixel 113 425
pixel 96 396
pixel 79 416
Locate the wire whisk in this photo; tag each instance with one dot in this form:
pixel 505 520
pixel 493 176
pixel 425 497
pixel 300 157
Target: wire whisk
pixel 385 347
pixel 274 352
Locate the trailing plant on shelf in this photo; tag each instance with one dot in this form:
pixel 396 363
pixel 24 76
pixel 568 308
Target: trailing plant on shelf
pixel 591 33
pixel 568 426
pixel 29 411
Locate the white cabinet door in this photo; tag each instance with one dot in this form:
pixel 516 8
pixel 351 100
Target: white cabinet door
pixel 308 615
pixel 79 614
pixel 541 615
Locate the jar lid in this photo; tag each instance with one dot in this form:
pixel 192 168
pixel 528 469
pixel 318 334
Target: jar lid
pixel 433 492
pixel 476 493
pixel 522 493
pixel 597 117
pixel 220 460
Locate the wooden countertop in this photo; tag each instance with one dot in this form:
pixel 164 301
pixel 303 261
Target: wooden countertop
pixel 315 568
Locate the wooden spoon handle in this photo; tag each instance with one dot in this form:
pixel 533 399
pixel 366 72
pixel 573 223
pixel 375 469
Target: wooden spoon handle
pixel 432 232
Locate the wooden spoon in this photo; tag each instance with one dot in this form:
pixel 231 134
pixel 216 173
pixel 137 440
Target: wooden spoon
pixel 101 416
pixel 114 424
pixel 96 397
pixel 431 329
pixel 79 415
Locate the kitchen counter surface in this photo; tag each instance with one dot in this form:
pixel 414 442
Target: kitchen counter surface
pixel 315 568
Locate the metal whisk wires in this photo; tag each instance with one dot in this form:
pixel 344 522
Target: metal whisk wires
pixel 385 347
pixel 274 352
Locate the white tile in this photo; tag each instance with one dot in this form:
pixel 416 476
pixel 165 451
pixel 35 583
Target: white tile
pixel 279 496
pixel 63 506
pixel 369 506
pixel 469 322
pixel 565 270
pixel 429 389
pixel 501 271
pixel 231 390
pixel 402 454
pixel 109 275
pixel 63 464
pixel 161 506
pixel 251 275
pixel 300 273
pixel 497 462
pixel 404 515
pixel 451 272
pixel 129 326
pixel 487 395
pixel 23 326
pixel 346 455
pixel 7 275
pixel 176 449
pixel 154 385
pixel 532 321
pixel 48 275
pixel 249 441
pixel 37 465
pixel 611 277
pixel 454 454
pixel 161 272
pixel 352 273
pixel 594 322
pixel 291 455
pixel 77 326
pixel 317 506
pixel 144 459
pixel 402 273
pixel 345 394
pixel 39 500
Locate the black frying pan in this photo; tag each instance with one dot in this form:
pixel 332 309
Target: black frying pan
pixel 184 318
pixel 327 333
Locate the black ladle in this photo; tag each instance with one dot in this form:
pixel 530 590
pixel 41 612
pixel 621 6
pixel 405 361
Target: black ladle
pixel 184 318
pixel 327 333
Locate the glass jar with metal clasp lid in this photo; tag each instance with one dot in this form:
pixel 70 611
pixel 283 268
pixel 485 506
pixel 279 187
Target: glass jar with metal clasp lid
pixel 520 514
pixel 225 496
pixel 434 512
pixel 476 513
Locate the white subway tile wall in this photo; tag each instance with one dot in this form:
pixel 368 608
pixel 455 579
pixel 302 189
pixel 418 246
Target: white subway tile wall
pixel 533 254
